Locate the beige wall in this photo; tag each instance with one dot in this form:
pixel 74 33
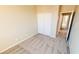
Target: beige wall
pixel 48 18
pixel 16 24
pixel 47 8
pixel 67 8
pixel 74 36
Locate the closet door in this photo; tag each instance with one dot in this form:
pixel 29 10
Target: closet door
pixel 44 23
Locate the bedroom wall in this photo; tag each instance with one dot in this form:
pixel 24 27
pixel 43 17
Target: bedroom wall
pixel 74 36
pixel 47 16
pixel 17 23
pixel 67 8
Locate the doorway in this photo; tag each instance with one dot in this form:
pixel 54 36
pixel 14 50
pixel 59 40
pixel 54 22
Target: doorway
pixel 65 24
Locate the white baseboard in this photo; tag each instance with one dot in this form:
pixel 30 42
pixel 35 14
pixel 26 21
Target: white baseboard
pixel 17 43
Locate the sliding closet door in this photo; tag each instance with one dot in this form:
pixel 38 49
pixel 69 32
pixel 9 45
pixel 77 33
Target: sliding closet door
pixel 44 23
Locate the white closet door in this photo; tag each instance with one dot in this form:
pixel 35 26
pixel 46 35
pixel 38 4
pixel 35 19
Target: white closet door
pixel 44 23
